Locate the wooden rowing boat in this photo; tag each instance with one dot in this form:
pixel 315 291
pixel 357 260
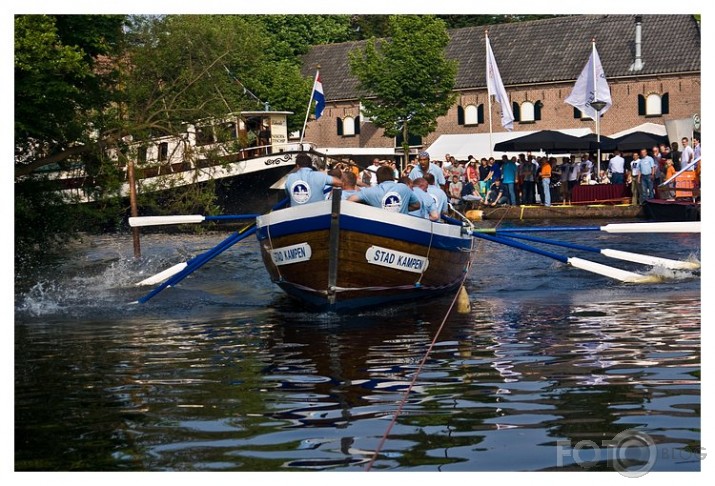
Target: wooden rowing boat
pixel 344 255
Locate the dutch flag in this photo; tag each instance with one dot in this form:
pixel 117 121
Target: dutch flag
pixel 318 96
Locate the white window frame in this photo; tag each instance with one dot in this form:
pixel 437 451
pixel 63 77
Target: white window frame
pixel 526 112
pixel 653 105
pixel 471 115
pixel 348 126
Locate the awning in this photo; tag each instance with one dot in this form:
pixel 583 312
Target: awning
pixel 477 144
pixel 648 127
pixel 357 150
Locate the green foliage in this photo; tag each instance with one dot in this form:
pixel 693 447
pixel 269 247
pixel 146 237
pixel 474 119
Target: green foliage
pixel 177 71
pixel 59 84
pixel 292 35
pixel 62 92
pixel 407 77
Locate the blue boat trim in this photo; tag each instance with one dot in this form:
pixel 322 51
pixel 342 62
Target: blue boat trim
pixel 368 227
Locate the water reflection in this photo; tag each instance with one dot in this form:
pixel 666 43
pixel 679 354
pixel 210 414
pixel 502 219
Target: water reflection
pixel 200 382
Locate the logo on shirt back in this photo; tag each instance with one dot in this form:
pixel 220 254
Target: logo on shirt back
pixel 392 201
pixel 300 192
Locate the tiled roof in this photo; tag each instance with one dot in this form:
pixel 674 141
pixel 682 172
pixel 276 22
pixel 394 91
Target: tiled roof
pixel 542 51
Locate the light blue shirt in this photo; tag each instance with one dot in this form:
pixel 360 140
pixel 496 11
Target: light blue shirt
pixel 392 196
pixel 646 165
pixel 427 204
pixel 433 169
pixel 440 198
pixel 306 186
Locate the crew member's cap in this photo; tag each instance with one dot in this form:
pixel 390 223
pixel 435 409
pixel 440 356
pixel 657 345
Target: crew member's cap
pixel 424 155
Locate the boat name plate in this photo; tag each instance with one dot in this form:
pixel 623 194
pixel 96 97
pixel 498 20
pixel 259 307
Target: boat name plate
pixel 398 260
pixel 291 254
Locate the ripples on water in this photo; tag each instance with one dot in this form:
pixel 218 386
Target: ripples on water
pixel 223 372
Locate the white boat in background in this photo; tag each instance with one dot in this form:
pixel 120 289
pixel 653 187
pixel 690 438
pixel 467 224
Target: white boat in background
pixel 249 146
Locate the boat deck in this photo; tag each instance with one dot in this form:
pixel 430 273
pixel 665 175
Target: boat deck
pixel 558 211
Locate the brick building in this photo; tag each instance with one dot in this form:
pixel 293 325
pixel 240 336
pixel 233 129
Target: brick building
pixel 652 66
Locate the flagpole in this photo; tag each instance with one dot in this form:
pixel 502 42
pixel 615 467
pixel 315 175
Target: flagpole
pixel 489 98
pixel 598 112
pixel 307 113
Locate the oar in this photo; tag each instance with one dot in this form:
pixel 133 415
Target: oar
pixel 196 263
pixel 587 265
pixel 169 272
pixel 161 276
pixel 185 219
pixel 617 254
pixel 668 227
pixel 194 218
pixel 687 167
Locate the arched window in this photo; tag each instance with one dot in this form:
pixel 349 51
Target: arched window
pixel 653 104
pixel 471 115
pixel 348 126
pixel 527 112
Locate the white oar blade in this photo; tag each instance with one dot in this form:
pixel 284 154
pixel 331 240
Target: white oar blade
pixel 667 227
pixel 650 260
pixel 606 271
pixel 162 220
pixel 161 276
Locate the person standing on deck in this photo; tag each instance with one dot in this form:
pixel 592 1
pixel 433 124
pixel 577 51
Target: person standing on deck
pixel 586 169
pixel 635 177
pixel 509 170
pixel 659 169
pixel 686 155
pixel 484 171
pixel 527 172
pixel 545 174
pixel 306 185
pixel 573 177
pixel 670 172
pixel 392 196
pixel 696 147
pixel 424 166
pixel 617 165
pixel 646 170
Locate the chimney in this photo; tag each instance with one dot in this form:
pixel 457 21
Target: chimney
pixel 638 63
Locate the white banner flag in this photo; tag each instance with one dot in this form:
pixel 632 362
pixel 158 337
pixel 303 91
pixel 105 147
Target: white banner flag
pixel 590 86
pixel 495 87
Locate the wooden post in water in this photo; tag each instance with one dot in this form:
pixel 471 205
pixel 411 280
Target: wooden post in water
pixel 133 206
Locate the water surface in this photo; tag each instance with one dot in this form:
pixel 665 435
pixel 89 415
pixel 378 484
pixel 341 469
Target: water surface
pixel 225 373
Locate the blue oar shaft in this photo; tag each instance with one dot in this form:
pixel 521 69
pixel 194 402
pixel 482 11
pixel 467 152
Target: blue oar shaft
pixel 521 246
pixel 534 229
pixel 545 241
pixel 280 204
pixel 224 217
pixel 197 262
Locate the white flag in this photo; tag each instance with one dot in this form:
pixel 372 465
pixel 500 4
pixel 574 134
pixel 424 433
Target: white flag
pixel 590 86
pixel 496 87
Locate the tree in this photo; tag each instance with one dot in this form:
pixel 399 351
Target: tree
pixel 406 78
pixel 84 100
pixel 60 83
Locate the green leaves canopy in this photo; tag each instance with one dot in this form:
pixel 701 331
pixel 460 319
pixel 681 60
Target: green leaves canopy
pixel 407 79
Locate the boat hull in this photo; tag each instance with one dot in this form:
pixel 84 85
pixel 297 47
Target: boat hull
pixel 672 210
pixel 353 256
